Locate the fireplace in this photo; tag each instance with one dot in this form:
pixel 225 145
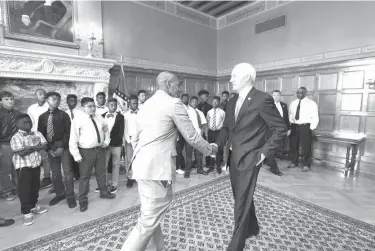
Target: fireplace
pixel 23 71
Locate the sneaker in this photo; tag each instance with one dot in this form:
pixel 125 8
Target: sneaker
pixel 97 190
pixel 305 169
pixel 112 189
pixel 51 191
pixel 129 183
pixel 179 171
pixel 45 183
pixel 38 210
pixel 9 197
pixel 28 219
pixel 57 199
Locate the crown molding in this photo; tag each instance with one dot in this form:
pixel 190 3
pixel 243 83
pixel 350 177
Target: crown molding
pixel 321 58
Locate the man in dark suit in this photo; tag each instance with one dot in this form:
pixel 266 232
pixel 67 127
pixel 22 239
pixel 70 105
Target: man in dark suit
pixel 249 116
pixel 283 110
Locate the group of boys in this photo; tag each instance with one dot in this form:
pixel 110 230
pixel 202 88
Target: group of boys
pixel 75 140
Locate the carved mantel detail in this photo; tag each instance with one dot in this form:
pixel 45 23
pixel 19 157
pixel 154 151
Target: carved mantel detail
pixel 30 64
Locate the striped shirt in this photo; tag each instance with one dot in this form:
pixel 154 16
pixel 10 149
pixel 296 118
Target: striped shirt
pixel 21 140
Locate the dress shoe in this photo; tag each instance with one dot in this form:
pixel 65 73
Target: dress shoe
pixel 187 175
pixel 107 195
pixel 6 222
pixel 129 183
pixel 278 173
pixel 255 233
pixel 201 171
pixel 56 200
pixel 292 165
pixel 210 169
pixel 83 207
pixel 71 202
pixel 218 170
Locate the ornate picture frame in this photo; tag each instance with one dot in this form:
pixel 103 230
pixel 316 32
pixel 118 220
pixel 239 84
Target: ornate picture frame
pixel 46 22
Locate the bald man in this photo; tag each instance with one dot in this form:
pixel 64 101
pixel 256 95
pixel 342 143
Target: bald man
pixel 250 114
pixel 154 159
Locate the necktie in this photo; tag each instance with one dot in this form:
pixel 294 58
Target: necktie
pixel 96 128
pixel 50 132
pixel 199 119
pixel 13 121
pixel 71 112
pixel 109 115
pixel 298 109
pixel 135 112
pixel 214 121
pixel 238 107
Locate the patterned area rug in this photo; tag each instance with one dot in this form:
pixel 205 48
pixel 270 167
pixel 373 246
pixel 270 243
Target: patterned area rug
pixel 201 219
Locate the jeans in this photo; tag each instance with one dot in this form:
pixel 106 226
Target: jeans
pixel 115 153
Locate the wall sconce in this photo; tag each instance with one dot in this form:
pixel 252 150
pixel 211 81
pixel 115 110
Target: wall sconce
pixel 77 38
pixel 371 83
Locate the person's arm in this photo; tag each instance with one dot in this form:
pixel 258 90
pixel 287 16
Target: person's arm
pixel 276 125
pixel 74 140
pixel 314 116
pixel 67 126
pixel 186 128
pixel 121 125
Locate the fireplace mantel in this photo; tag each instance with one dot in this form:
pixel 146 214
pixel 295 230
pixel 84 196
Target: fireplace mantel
pixel 42 65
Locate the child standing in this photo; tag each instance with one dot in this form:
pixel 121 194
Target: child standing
pixel 27 160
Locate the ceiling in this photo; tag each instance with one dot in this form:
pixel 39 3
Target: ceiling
pixel 215 8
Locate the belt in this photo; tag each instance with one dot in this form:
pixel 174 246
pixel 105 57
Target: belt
pixel 306 124
pixel 93 148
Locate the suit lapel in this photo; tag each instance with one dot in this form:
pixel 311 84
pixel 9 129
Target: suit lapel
pixel 245 104
pixel 233 109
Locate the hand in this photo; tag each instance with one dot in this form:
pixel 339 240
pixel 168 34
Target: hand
pixel 104 145
pixel 262 157
pixel 59 152
pixel 26 20
pixel 288 133
pixel 215 148
pixel 52 153
pixel 79 160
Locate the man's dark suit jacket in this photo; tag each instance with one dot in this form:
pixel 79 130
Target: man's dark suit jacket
pixel 61 127
pixel 285 114
pixel 117 132
pixel 247 135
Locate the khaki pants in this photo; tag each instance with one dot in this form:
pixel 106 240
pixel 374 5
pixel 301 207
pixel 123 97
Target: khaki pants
pixel 155 200
pixel 115 152
pixel 129 156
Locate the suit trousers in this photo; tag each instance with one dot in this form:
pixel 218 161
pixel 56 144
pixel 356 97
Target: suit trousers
pixel 57 179
pixel 180 160
pixel 245 220
pixel 8 175
pixel 45 164
pixel 129 156
pixel 197 155
pixel 115 153
pixel 300 136
pixel 212 136
pixel 28 187
pixel 155 200
pixel 91 158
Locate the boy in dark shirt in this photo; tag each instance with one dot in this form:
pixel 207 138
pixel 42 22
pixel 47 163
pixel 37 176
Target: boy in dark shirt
pixel 55 127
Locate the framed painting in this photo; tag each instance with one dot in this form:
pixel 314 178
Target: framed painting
pixel 47 22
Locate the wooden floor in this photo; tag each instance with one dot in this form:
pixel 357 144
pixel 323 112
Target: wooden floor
pixel 328 188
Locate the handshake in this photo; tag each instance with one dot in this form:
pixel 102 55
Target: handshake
pixel 214 150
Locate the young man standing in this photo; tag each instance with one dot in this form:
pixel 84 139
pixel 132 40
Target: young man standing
pixel 26 145
pixel 215 120
pixel 116 124
pixel 100 103
pixel 8 127
pixel 141 98
pixel 130 130
pixel 34 112
pixel 73 112
pixel 55 127
pixel 224 100
pixel 203 106
pixel 89 136
pixel 199 122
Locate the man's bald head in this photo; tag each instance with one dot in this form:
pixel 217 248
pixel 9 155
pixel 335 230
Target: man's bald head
pixel 243 75
pixel 169 83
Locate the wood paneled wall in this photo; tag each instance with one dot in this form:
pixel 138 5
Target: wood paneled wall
pixel 138 79
pixel 346 103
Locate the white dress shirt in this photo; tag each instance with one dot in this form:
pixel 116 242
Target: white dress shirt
pixel 34 111
pixel 278 106
pixel 194 119
pixel 308 113
pixel 76 112
pixel 130 125
pixel 101 109
pixel 83 134
pixel 110 120
pixel 140 104
pixel 220 116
